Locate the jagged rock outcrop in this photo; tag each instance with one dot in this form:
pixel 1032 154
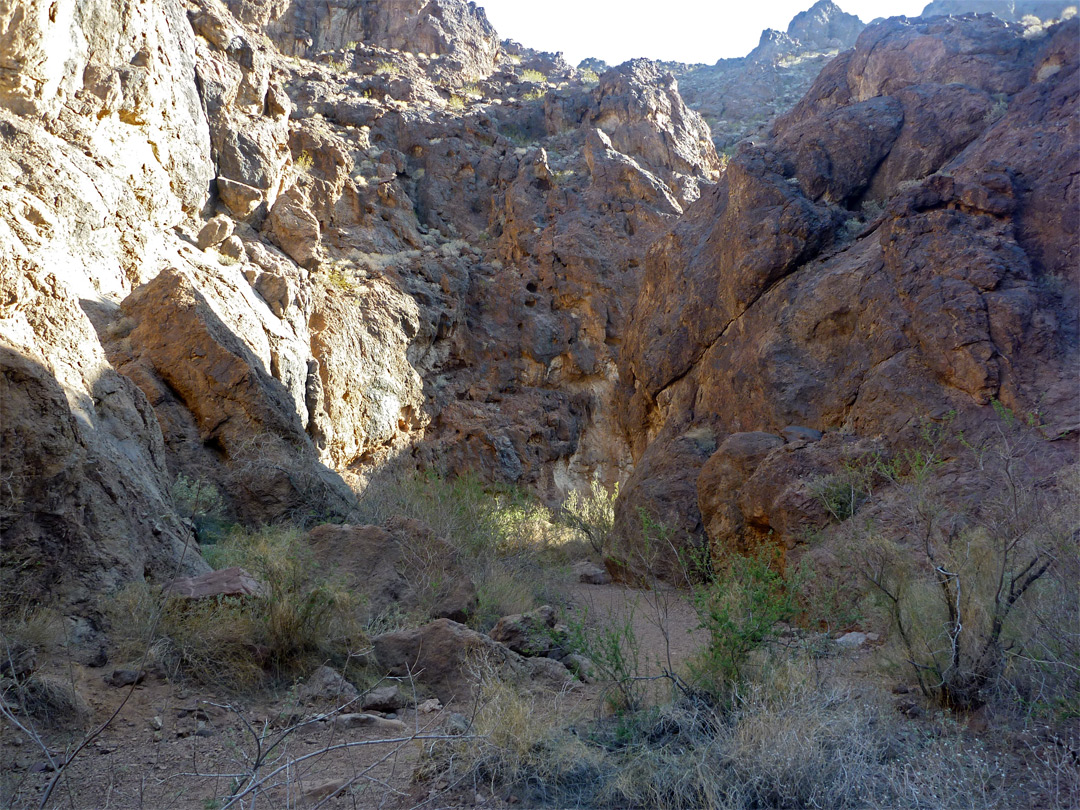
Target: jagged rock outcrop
pixel 271 246
pixel 949 298
pixel 105 146
pixel 740 98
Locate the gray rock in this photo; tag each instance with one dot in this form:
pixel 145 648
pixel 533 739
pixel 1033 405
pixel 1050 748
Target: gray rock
pixel 852 639
pixel 384 699
pixel 591 574
pixel 327 685
pixel 362 720
pixel 797 433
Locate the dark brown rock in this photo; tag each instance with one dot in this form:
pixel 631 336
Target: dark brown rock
pixel 527 634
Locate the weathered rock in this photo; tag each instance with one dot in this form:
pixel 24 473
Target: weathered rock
pixel 373 561
pixel 384 699
pixel 224 582
pixel 214 232
pixel 439 655
pixel 232 248
pixel 326 685
pixel 125 677
pixel 528 634
pixel 931 310
pixel 372 721
pixel 591 574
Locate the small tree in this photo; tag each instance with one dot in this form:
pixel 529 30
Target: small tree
pixel 955 582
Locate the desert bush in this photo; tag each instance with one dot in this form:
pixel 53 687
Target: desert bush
pixel 28 637
pixel 513 741
pixel 975 584
pixel 530 75
pixel 740 607
pixel 200 501
pixel 501 536
pixel 302 618
pixel 591 514
pixel 792 739
pixel 52 702
pixel 613 648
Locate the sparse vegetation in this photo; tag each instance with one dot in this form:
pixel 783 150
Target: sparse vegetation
pixel 591 514
pixel 535 76
pixel 301 620
pixel 455 102
pixel 388 68
pixel 973 587
pixel 305 161
pixel 589 76
pixel 505 540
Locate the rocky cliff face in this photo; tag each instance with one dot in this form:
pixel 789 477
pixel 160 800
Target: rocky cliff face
pixel 902 247
pixel 262 246
pixel 270 246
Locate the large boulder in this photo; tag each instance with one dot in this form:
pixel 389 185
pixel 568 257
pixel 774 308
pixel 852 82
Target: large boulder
pixel 449 659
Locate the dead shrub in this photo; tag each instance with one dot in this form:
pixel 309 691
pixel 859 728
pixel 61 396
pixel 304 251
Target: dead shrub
pixel 53 702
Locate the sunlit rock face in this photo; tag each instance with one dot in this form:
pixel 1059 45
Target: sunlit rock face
pixel 896 251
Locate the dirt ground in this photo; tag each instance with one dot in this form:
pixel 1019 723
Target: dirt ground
pixel 172 746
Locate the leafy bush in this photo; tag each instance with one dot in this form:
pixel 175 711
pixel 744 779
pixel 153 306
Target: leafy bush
pixel 591 514
pixel 614 651
pixel 739 607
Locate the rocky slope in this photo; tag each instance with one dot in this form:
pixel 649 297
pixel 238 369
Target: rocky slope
pixel 255 247
pixel 903 246
pixel 739 98
pixel 263 249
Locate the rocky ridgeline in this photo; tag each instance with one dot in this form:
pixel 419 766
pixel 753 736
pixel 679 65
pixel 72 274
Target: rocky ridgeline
pixel 270 246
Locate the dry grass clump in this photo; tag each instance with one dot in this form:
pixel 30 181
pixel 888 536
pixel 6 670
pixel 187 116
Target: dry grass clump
pixel 795 737
pixel 53 702
pixel 27 637
pixel 302 619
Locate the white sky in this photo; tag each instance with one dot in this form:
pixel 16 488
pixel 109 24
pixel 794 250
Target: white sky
pixel 676 30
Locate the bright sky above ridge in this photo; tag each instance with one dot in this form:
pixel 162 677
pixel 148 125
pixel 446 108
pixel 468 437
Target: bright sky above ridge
pixel 676 30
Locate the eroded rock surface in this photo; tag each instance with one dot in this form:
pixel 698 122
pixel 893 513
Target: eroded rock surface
pixel 860 286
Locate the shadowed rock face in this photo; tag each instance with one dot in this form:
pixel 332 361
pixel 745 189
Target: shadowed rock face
pixel 762 308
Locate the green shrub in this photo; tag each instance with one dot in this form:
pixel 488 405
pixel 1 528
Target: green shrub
pixel 613 648
pixel 589 76
pixel 739 607
pixel 530 75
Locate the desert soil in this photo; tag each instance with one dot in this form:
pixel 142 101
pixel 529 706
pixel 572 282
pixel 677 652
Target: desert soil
pixel 174 746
